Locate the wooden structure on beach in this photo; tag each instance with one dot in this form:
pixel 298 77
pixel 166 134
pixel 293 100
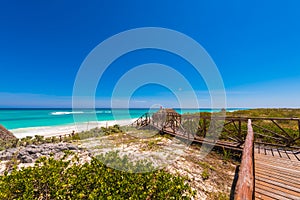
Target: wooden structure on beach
pixel 268 170
pixel 169 117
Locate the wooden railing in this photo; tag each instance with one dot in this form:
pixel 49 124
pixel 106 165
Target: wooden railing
pixel 284 132
pixel 143 120
pixel 268 131
pixel 61 136
pixel 245 184
pixel 160 120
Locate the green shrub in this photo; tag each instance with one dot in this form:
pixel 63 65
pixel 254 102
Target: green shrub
pixel 205 174
pixel 207 166
pixel 61 179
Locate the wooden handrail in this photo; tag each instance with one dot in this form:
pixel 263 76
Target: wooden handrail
pixel 241 118
pixel 245 184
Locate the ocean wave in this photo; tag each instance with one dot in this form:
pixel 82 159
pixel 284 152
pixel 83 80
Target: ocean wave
pixel 232 110
pixel 66 113
pixel 81 112
pixel 104 111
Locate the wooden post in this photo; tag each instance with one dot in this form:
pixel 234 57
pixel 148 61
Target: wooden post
pixel 298 128
pixel 245 185
pixel 189 122
pixel 204 127
pixel 240 128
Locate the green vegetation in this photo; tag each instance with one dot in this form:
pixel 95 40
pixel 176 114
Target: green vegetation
pixel 227 155
pixel 259 112
pixel 97 132
pixel 6 144
pixel 65 179
pixel 205 174
pixel 151 145
pixel 267 112
pixel 283 132
pixel 206 166
pixel 38 139
pixel 145 132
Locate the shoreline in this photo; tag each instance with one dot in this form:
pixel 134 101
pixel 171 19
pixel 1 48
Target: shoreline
pixel 49 131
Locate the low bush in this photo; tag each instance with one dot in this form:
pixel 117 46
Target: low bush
pixel 64 179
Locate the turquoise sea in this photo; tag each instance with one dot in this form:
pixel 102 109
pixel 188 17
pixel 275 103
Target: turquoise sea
pixel 24 118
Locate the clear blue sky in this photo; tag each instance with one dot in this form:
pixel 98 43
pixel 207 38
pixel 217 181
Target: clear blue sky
pixel 255 45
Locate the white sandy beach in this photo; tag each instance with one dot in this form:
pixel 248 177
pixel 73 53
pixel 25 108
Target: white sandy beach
pixel 49 131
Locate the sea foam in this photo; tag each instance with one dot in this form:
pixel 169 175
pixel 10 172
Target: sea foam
pixel 66 113
pixel 80 112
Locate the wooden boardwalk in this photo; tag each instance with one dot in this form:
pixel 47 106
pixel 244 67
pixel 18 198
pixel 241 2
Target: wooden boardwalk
pixel 267 171
pixel 170 123
pixel 277 174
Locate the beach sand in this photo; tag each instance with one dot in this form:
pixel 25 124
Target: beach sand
pixel 49 131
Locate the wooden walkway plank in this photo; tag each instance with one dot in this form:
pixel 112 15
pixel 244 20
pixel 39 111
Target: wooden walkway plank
pixel 277 164
pixel 273 193
pixel 269 194
pixel 276 153
pixel 279 153
pixel 289 172
pixel 261 196
pixel 283 153
pixel 275 177
pixel 284 174
pixel 287 154
pixel 287 165
pixel 256 150
pixel 293 157
pixel 269 152
pixel 270 159
pixel 278 175
pixel 297 155
pixel 278 190
pixel 273 157
pixel 280 183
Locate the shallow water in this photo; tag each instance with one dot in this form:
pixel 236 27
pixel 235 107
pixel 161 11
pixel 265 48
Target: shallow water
pixel 23 122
